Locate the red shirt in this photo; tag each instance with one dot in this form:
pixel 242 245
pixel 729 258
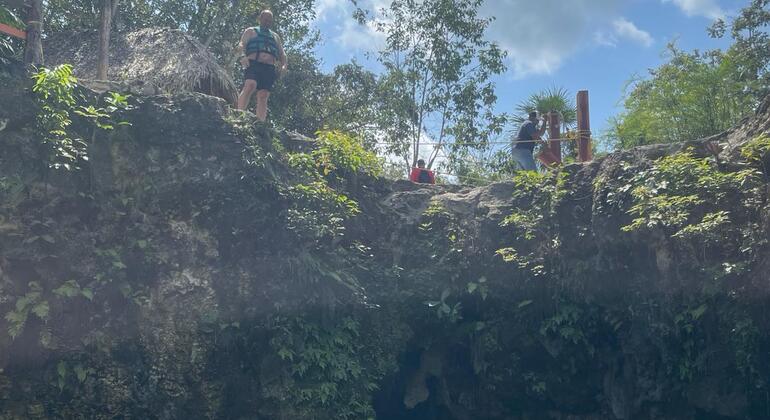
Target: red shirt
pixel 415 175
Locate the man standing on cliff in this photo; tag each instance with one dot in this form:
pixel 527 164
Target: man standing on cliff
pixel 524 145
pixel 263 61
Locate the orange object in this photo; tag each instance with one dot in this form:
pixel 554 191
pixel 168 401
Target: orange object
pixel 415 175
pixel 584 127
pixel 10 30
pixel 548 158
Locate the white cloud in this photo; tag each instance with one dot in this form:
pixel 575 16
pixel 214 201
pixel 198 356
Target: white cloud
pixel 705 8
pixel 626 29
pixel 540 35
pixel 605 39
pixel 324 8
pixel 353 35
pixel 348 33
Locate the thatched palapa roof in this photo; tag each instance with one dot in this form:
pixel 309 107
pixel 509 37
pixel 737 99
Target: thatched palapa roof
pixel 166 58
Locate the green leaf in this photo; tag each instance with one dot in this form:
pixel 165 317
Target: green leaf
pixel 699 311
pixel 80 373
pixel 61 368
pixel 41 310
pixel 472 287
pixel 70 288
pixel 87 293
pixel 445 294
pixel 524 303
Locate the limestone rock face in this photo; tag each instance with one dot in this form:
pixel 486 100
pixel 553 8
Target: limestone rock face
pixel 168 278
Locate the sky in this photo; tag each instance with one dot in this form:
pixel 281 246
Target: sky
pixel 598 45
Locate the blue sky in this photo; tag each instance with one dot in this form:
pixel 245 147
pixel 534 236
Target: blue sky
pixel 576 44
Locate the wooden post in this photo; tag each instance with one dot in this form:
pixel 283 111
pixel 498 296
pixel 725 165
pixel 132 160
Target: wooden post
pixel 33 52
pixel 584 127
pixel 103 54
pixel 10 30
pixel 554 132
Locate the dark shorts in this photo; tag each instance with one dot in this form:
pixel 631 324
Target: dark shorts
pixel 264 74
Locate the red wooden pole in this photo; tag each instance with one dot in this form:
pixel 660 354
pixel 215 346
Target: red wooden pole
pixel 554 132
pixel 10 30
pixel 584 127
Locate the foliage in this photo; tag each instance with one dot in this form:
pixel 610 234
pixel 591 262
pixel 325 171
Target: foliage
pixel 217 24
pixel 8 45
pixel 55 90
pixel 308 100
pixel 31 303
pixel 757 152
pixel 437 81
pixel 482 167
pixel 751 46
pixel 556 99
pixel 8 17
pixel 569 324
pixel 318 210
pixel 668 195
pixel 537 196
pixel 445 309
pixel 340 155
pixel 552 99
pixel 325 366
pixel 691 96
pixel 697 94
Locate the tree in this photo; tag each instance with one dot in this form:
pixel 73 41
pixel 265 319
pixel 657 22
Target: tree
pixel 693 95
pixel 750 51
pixel 437 82
pixel 308 100
pixel 33 52
pixel 109 8
pixel 216 23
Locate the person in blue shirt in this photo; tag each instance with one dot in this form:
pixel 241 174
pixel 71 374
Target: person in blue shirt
pixel 524 145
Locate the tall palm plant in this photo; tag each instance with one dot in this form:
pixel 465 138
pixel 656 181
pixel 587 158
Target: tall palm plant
pixel 556 99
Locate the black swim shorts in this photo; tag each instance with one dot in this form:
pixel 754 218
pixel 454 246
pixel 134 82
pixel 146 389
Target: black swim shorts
pixel 264 74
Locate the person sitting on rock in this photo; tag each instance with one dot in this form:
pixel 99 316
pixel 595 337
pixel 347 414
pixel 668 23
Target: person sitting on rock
pixel 262 49
pixel 421 175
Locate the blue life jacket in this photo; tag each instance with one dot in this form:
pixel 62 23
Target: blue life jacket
pixel 264 41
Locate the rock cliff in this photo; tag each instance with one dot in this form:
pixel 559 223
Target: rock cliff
pixel 190 269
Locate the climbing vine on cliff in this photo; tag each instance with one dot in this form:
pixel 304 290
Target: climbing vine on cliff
pixel 533 221
pixel 55 90
pixel 319 203
pixel 326 369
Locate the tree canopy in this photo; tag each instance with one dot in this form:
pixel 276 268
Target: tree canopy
pixel 698 94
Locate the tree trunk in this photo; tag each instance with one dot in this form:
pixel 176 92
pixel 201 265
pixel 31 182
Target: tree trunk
pixel 103 57
pixel 33 52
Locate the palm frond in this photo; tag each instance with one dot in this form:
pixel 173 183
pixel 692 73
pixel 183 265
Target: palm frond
pixel 556 99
